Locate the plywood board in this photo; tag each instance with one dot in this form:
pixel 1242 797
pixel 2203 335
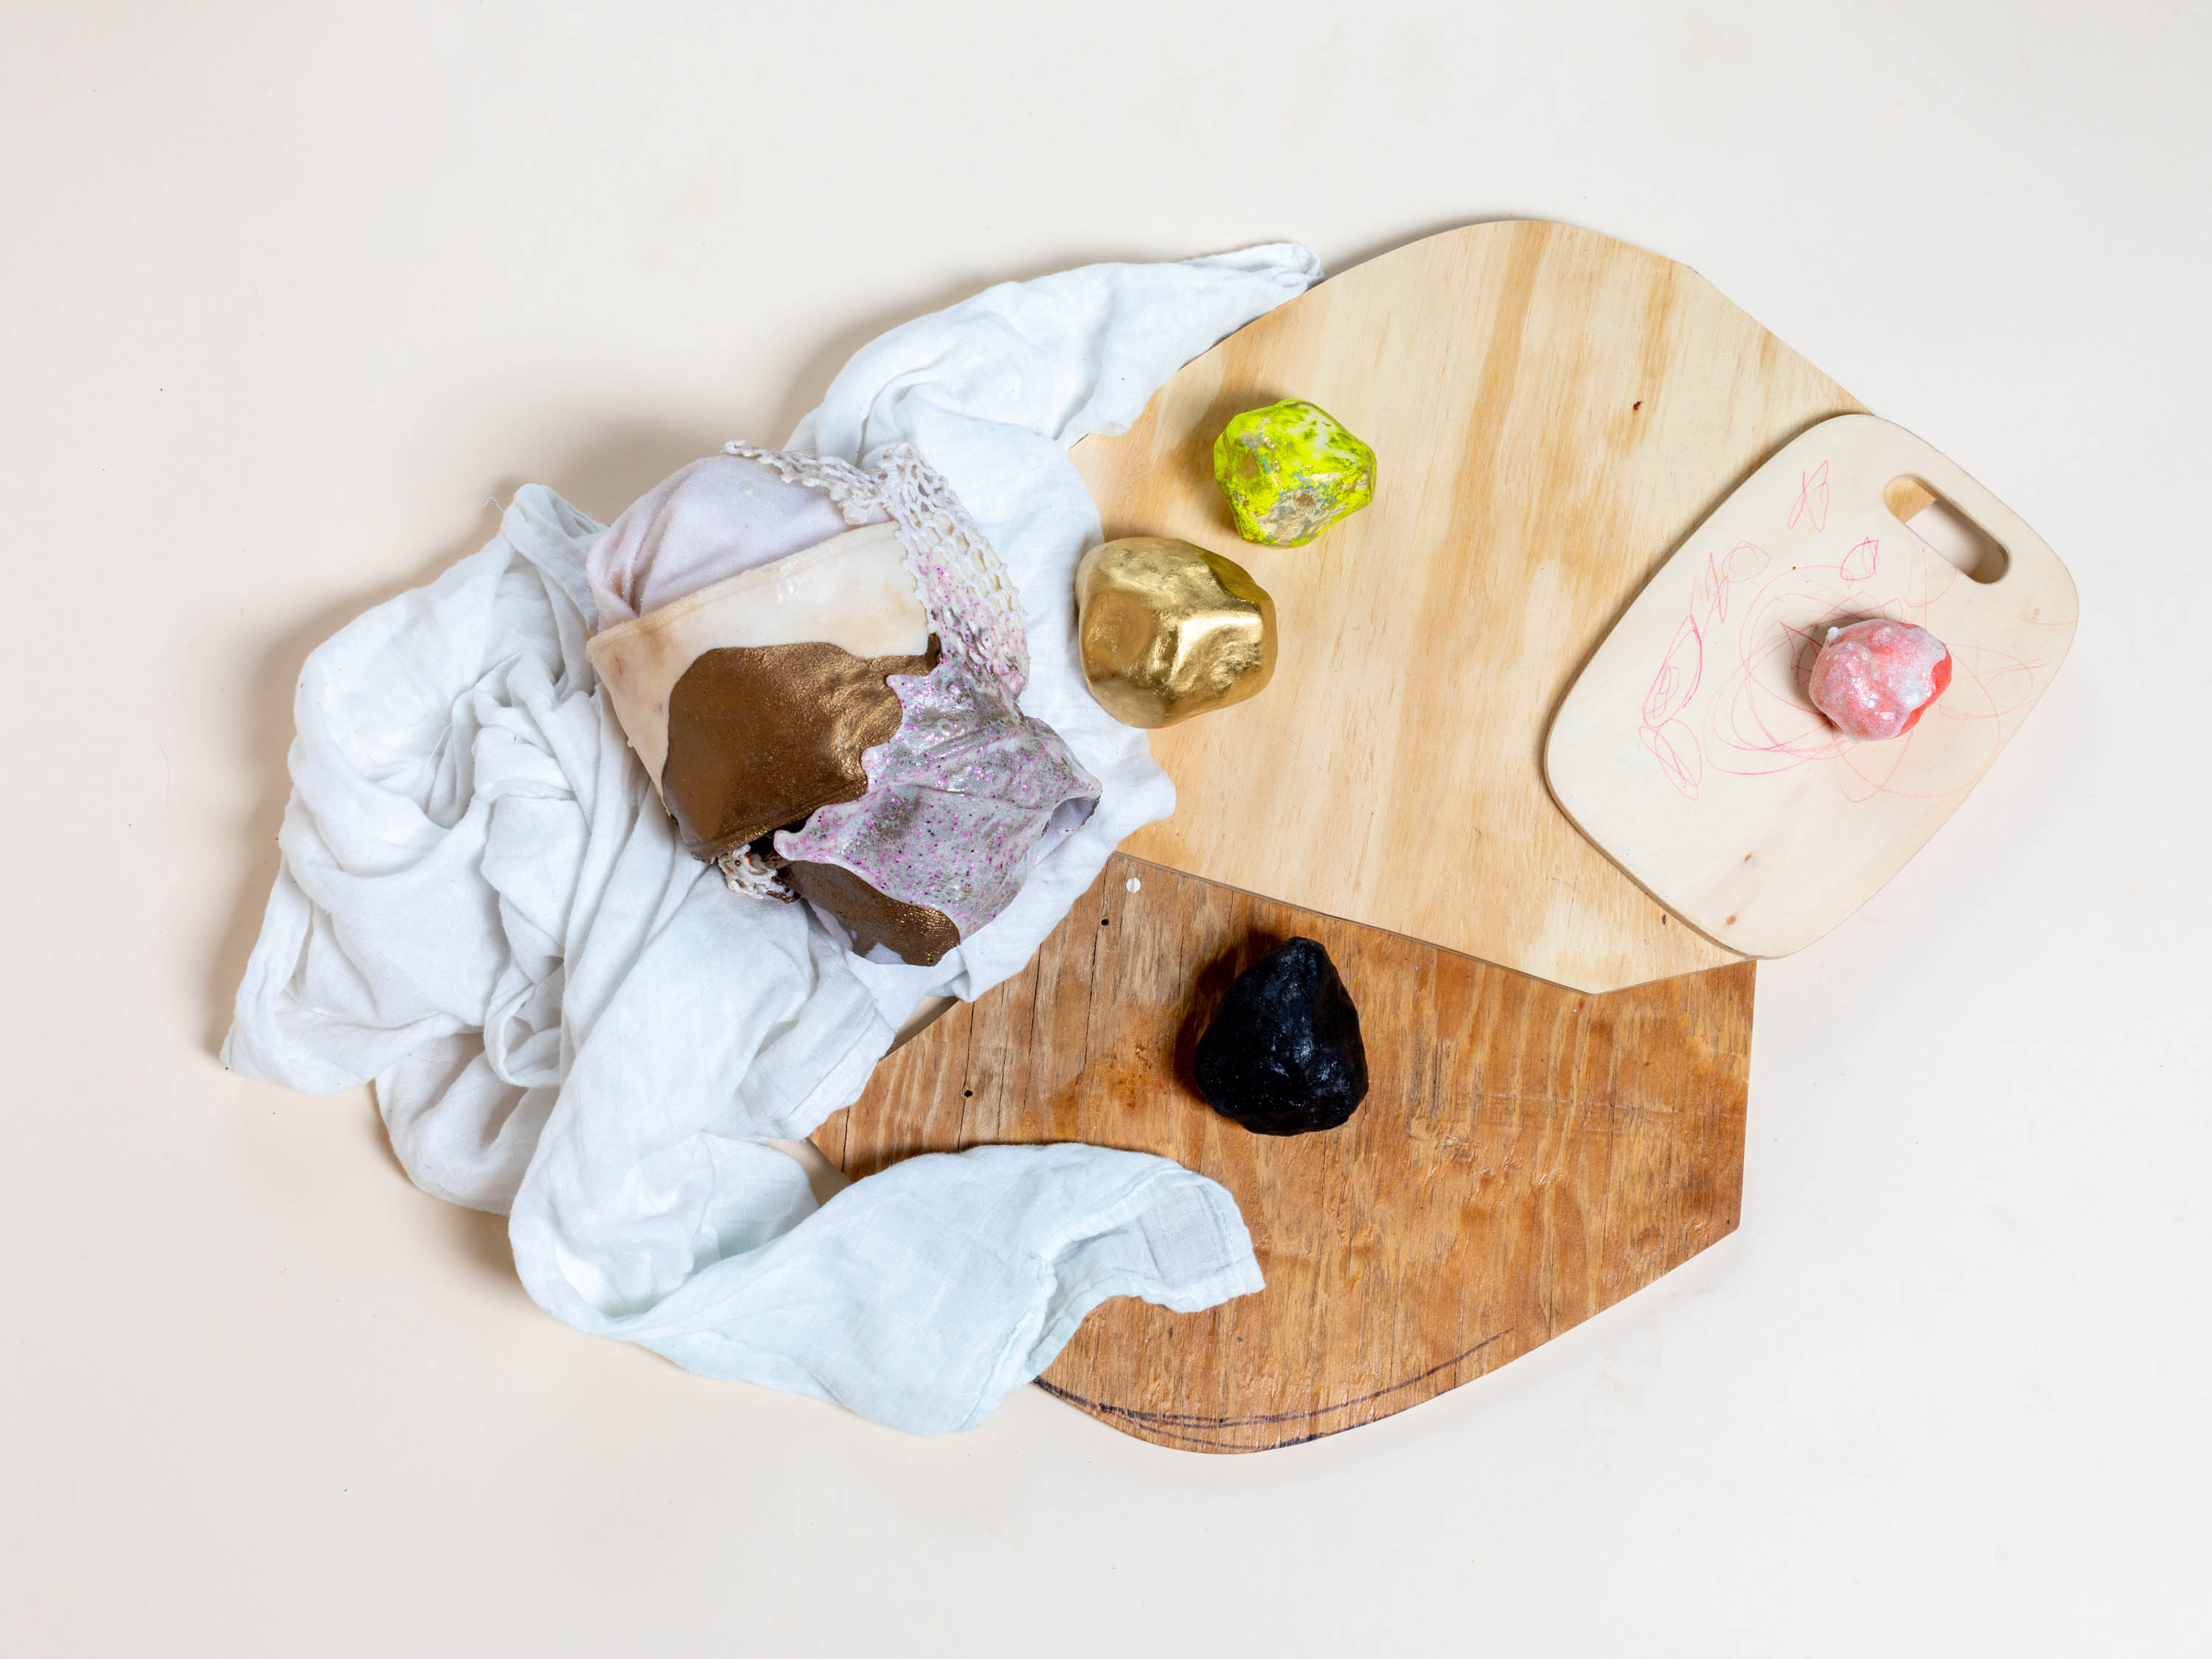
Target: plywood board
pixel 1553 412
pixel 1527 1155
pixel 1689 749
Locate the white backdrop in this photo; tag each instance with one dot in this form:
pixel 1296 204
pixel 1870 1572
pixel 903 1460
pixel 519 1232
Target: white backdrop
pixel 290 294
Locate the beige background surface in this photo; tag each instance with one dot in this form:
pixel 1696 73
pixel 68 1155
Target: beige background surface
pixel 289 294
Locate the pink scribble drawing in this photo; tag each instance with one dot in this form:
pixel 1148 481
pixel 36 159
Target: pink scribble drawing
pixel 1729 697
pixel 1675 748
pixel 1678 678
pixel 1672 743
pixel 1811 511
pixel 1723 571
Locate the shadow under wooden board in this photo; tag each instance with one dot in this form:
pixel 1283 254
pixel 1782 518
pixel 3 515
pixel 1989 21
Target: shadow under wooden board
pixel 1528 1154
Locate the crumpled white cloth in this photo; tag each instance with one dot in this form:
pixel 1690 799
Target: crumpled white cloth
pixel 483 908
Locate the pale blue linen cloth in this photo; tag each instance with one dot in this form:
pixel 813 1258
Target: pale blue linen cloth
pixel 483 908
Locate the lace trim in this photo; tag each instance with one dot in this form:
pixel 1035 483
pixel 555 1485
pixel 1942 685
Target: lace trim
pixel 965 588
pixel 744 872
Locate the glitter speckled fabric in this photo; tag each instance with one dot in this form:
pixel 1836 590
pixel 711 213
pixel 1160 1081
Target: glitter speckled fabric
pixel 956 799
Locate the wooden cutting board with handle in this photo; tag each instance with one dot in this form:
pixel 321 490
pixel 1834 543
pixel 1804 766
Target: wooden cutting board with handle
pixel 1526 1156
pixel 1559 1066
pixel 1690 750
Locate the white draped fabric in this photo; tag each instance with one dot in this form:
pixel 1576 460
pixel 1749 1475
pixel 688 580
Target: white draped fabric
pixel 483 908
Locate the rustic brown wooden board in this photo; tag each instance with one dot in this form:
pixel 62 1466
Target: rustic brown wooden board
pixel 1551 412
pixel 1528 1154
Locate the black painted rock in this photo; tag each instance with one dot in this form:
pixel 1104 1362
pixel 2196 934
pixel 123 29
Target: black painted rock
pixel 1283 1055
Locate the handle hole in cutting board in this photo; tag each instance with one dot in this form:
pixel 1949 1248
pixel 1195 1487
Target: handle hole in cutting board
pixel 1957 538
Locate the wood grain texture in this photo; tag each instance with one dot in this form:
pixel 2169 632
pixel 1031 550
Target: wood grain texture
pixel 1553 412
pixel 1526 1156
pixel 1689 748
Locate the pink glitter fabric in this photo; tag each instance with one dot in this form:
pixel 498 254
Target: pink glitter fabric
pixel 970 791
pixel 957 799
pixel 1874 679
pixel 705 522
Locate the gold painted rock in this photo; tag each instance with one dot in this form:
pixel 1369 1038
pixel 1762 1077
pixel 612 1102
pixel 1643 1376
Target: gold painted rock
pixel 1289 471
pixel 1168 631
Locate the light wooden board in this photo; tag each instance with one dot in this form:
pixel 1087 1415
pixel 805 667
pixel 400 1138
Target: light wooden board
pixel 1527 1155
pixel 1551 412
pixel 1689 749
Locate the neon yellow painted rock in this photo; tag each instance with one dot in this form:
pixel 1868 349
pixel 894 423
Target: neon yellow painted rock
pixel 1289 471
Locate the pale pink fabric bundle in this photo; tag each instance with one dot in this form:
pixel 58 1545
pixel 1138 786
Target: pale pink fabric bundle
pixel 713 519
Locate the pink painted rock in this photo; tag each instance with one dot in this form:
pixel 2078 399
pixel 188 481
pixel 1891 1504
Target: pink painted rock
pixel 1876 679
